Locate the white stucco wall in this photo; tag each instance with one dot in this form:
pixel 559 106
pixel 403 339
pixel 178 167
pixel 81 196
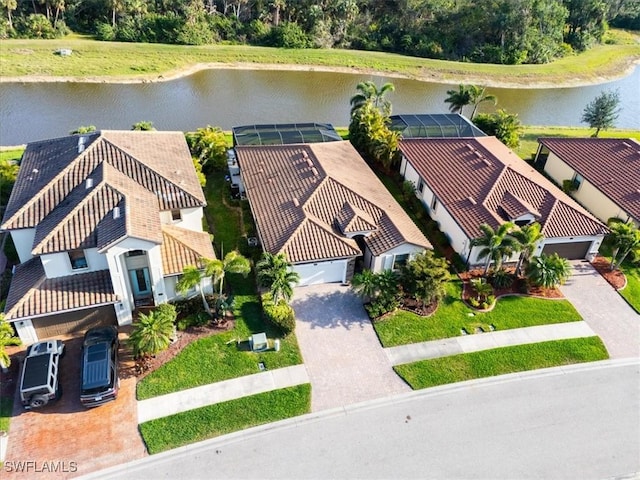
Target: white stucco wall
pixel 59 265
pixel 23 240
pixel 385 261
pixel 172 294
pixel 587 194
pixel 191 218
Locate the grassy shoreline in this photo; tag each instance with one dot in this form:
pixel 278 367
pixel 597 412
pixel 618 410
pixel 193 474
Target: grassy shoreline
pixel 94 61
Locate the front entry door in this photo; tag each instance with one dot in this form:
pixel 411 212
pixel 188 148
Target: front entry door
pixel 140 282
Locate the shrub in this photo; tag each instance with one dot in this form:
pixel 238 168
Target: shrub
pixel 199 319
pixel 151 333
pixel 502 279
pixel 280 314
pixel 167 312
pixel 474 302
pixel 188 307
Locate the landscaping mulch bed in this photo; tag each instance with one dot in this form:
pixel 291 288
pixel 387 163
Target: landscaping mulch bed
pixel 518 287
pixel 130 367
pixel 615 277
pixel 414 306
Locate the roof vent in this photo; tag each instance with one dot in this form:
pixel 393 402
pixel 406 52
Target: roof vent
pixel 88 184
pixel 469 146
pixel 295 201
pixel 305 155
pixel 116 212
pixel 35 170
pixel 314 171
pixel 472 200
pixel 478 154
pixel 309 162
pixel 81 141
pixel 486 162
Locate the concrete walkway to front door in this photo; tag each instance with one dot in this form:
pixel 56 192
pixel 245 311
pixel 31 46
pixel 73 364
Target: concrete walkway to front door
pixel 606 312
pixel 344 359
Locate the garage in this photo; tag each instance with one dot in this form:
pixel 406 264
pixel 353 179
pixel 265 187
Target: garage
pixel 73 323
pixel 569 250
pixel 321 272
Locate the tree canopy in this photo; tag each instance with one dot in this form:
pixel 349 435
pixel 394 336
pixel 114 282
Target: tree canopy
pixel 602 112
pixel 500 31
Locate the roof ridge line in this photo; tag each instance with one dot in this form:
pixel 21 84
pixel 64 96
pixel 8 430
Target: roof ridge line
pixel 50 185
pixel 74 210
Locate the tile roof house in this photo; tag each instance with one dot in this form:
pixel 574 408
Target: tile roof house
pixel 323 207
pixel 466 182
pixel 605 173
pixel 102 222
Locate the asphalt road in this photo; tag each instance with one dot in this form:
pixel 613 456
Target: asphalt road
pixel 577 422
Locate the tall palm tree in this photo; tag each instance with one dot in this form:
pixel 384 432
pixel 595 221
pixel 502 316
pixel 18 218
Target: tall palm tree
pixel 191 278
pixel 369 91
pixel 548 270
pixel 527 238
pixel 458 99
pixel 7 338
pixel 625 239
pixel 275 273
pixel 496 244
pixel 233 262
pixel 478 95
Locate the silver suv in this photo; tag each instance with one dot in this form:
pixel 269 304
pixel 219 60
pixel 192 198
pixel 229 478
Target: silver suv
pixel 39 384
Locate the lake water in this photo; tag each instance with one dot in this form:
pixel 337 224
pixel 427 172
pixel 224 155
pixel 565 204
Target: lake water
pixel 227 98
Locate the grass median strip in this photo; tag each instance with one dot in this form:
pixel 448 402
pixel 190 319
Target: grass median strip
pixel 222 418
pixel 500 361
pixel 402 327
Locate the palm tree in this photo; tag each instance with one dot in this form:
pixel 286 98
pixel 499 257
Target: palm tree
pixel 548 270
pixel 458 99
pixel 625 237
pixel 365 284
pixel 496 244
pixel 368 91
pixel 191 278
pixel 151 333
pixel 527 238
pixel 233 262
pixel 482 288
pixel 7 338
pixel 477 96
pixel 275 273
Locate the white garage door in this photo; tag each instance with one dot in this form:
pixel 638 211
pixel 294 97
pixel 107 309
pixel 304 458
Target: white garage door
pixel 321 272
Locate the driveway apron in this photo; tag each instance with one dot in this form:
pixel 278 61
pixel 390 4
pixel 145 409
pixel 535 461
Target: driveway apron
pixel 606 312
pixel 344 359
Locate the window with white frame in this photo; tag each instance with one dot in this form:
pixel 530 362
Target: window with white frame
pixel 77 259
pixel 400 260
pixel 434 204
pixel 176 215
pixel 420 186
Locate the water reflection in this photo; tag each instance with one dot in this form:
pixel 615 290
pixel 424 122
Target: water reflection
pixel 226 98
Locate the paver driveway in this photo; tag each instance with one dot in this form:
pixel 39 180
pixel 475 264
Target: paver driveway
pixel 66 432
pixel 344 359
pixel 606 312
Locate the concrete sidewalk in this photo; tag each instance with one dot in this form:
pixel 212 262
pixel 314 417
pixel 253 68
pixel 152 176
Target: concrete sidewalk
pixel 485 341
pixel 165 405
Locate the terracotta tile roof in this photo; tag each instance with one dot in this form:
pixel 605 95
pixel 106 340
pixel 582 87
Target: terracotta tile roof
pixel 181 247
pixel 140 172
pixel 298 195
pixel 32 294
pixel 480 180
pixel 610 164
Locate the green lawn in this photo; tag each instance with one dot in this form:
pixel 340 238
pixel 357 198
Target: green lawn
pixel 11 154
pixel 6 409
pixel 500 361
pixel 219 419
pixel 404 327
pixel 529 140
pixel 131 61
pixel 631 292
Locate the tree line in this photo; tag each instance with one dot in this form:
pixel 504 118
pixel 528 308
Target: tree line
pixel 492 31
